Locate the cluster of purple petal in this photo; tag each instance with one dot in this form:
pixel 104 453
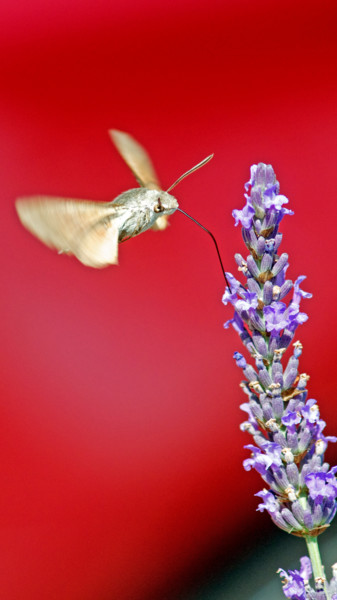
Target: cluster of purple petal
pixel 296 584
pixel 289 443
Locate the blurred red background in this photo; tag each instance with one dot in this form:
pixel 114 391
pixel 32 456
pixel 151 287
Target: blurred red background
pixel 121 455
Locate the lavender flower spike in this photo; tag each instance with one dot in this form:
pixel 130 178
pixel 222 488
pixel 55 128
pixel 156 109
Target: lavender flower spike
pixel 289 445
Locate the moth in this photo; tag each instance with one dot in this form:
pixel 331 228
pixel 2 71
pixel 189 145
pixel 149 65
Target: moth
pixel 92 231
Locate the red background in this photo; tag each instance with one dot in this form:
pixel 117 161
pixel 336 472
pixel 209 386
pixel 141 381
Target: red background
pixel 121 456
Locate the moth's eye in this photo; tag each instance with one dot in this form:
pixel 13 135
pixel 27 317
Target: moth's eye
pixel 158 207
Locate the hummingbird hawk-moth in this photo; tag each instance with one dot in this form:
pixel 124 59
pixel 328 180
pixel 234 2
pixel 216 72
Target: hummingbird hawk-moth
pixel 90 230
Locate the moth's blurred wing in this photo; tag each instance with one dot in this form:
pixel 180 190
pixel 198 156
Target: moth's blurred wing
pixel 99 247
pixel 80 227
pixel 136 158
pixel 161 223
pixel 141 166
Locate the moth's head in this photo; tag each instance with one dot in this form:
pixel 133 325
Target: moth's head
pixel 164 203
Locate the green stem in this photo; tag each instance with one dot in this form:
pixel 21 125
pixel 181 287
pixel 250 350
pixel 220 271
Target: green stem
pixel 316 562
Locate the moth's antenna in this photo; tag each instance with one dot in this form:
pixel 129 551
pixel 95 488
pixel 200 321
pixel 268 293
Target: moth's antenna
pixel 201 164
pixel 212 236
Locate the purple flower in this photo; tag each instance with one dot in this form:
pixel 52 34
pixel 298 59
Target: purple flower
pixel 295 317
pixel 240 360
pixel 306 569
pixel 237 324
pixel 298 293
pixel 276 317
pixel 276 201
pixel 286 427
pixel 252 177
pixel 322 486
pixel 231 295
pixel 270 503
pixel 321 439
pixel 291 419
pixel 293 585
pixel 310 411
pixel 244 216
pixel 296 584
pixel 273 451
pixel 258 461
pixel 250 301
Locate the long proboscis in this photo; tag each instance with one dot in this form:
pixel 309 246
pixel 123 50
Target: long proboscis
pixel 215 243
pixel 195 168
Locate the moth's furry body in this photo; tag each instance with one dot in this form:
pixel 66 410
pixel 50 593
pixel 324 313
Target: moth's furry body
pixel 136 213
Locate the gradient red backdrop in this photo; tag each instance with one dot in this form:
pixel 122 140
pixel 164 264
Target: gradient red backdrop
pixel 121 455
